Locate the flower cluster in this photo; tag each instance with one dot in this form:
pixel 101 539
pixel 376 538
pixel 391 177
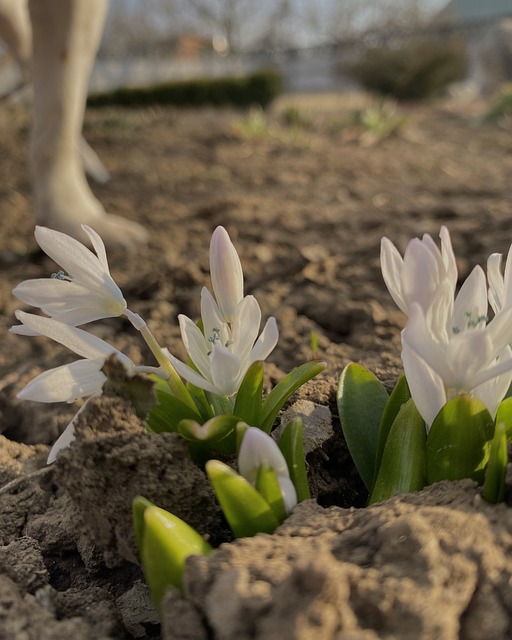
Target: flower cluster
pixel 449 346
pixel 225 349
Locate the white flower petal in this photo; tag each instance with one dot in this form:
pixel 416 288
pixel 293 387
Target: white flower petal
pixel 496 282
pixel 226 370
pixel 492 392
pixel 257 449
pixel 246 326
pixel 214 326
pixel 226 273
pixel 420 275
pixel 66 383
pixel 439 314
pixel 62 442
pixel 391 264
pixel 467 354
pixel 470 308
pixel 448 257
pixel 427 388
pixel 81 342
pixel 195 344
pixel 98 246
pixel 266 343
pixel 90 295
pixel 74 257
pixel 417 335
pixel 191 376
pixel 66 437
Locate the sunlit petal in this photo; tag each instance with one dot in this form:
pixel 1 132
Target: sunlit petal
pixel 257 449
pixel 420 275
pixel 426 386
pixel 448 255
pixel 214 327
pixel 226 370
pixel 66 437
pixel 66 383
pixel 470 308
pixel 98 246
pixel 226 273
pixel 81 342
pixel 195 344
pixel 267 341
pixel 192 376
pixel 496 282
pixel 246 326
pixel 492 392
pixel 391 263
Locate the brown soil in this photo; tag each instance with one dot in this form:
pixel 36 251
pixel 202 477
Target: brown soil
pixel 306 205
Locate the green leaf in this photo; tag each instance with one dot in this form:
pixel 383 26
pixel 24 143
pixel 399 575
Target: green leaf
pixel 292 447
pixel 504 415
pixel 169 412
pixel 201 401
pixel 221 406
pixel 166 544
pixel 250 395
pixel 458 441
pixel 399 396
pixel 402 468
pixel 245 509
pixel 139 506
pixel 361 400
pixel 268 485
pixel 217 433
pixel 284 389
pixel 494 483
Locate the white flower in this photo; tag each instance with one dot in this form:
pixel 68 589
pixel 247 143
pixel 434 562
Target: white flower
pixel 224 352
pixel 500 286
pixel 416 277
pixel 85 293
pixel 226 273
pixel 259 449
pixel 450 349
pixel 71 381
pixel 231 323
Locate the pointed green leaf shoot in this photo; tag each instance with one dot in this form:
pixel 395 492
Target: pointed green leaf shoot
pixel 250 395
pixel 292 448
pixel 403 460
pixel 361 400
pixel 458 441
pixel 245 509
pixel 284 389
pixel 494 483
pixel 399 396
pixel 167 542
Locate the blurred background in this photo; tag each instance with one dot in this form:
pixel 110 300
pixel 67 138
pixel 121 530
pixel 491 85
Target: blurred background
pixel 325 45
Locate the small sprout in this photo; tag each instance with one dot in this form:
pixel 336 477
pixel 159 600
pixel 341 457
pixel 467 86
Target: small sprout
pixel 165 542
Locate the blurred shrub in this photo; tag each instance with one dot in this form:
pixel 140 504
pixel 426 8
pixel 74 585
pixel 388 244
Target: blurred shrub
pixel 259 88
pixel 412 71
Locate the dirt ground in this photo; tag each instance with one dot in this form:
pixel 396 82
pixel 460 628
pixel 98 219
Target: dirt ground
pixel 306 196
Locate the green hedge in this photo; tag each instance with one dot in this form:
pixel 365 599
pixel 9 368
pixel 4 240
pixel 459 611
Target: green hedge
pixel 418 70
pixel 259 88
